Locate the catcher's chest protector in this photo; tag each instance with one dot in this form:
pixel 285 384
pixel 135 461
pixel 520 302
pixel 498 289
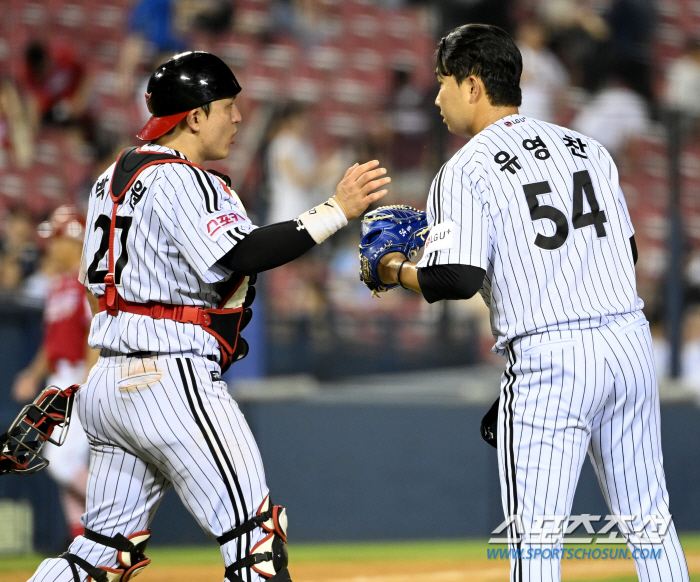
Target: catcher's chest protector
pixel 223 323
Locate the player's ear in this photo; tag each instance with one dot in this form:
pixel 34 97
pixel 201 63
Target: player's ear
pixel 474 88
pixel 193 119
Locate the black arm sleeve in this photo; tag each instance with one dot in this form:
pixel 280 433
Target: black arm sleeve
pixel 450 281
pixel 268 247
pixel 635 253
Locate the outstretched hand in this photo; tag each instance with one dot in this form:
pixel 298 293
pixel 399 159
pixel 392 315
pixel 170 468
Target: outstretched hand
pixel 356 190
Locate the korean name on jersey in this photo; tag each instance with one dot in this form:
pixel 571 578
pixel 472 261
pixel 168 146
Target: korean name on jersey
pixel 540 209
pixel 175 223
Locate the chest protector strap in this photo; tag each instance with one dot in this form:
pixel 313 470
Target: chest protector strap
pixel 224 324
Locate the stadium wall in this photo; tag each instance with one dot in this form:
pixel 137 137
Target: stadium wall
pixel 365 462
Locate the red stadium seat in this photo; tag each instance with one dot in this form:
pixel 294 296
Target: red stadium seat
pixel 71 16
pixel 13 186
pixel 109 17
pixel 280 55
pixel 33 14
pixel 262 84
pixel 238 51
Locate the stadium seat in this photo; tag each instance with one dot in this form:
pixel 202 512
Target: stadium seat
pixel 304 87
pixel 262 84
pixel 238 51
pixel 108 20
pixel 71 16
pixel 280 55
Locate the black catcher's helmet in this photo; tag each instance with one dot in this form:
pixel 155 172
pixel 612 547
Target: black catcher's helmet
pixel 181 84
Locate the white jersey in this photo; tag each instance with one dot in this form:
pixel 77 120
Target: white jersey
pixel 539 208
pixel 173 225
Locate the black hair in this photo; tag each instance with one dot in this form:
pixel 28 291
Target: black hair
pixel 207 110
pixel 487 52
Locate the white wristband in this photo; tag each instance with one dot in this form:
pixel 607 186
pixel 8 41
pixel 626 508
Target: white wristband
pixel 323 220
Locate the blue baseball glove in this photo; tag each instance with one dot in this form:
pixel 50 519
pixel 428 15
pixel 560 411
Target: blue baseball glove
pixel 389 229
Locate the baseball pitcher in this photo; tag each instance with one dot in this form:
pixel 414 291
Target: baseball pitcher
pixel 531 216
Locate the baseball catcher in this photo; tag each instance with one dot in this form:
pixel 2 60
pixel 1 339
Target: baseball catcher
pixel 170 258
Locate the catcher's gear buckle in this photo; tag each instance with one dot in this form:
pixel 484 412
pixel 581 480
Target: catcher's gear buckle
pixel 45 420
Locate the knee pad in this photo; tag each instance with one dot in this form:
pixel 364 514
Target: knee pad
pixel 277 522
pixel 269 556
pixel 130 556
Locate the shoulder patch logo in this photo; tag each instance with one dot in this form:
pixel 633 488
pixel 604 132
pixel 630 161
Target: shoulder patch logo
pixel 215 224
pixel 440 237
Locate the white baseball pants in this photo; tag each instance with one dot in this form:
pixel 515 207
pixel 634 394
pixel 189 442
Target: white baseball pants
pixel 157 422
pixel 567 392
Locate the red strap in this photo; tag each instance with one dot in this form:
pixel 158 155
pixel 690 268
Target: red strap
pixel 111 295
pixel 112 302
pixel 179 313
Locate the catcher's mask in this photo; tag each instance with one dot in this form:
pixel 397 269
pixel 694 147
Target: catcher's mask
pixel 44 420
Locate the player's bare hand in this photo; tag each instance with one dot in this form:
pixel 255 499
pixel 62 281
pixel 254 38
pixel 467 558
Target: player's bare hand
pixel 25 387
pixel 388 267
pixel 358 188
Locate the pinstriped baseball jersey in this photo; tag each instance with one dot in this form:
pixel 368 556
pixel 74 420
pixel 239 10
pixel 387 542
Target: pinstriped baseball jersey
pixel 175 223
pixel 539 208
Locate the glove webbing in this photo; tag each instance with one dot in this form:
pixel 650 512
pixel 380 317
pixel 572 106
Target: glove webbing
pixel 246 562
pixel 97 574
pixel 245 527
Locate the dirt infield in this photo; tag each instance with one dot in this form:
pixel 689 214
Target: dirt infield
pixel 436 561
pixel 413 571
pixel 458 571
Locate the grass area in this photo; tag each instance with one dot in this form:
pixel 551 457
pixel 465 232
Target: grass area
pixel 20 563
pixel 439 550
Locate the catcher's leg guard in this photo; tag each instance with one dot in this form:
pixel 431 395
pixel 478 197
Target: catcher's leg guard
pixel 129 554
pixel 269 556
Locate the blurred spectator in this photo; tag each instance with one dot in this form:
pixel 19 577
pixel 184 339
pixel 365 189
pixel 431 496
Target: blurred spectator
pixel 690 351
pixel 690 356
pixel 296 179
pixel 683 81
pixel 578 35
pixel 154 21
pixel 64 356
pixel 345 289
pixel 212 16
pixel 310 21
pixel 544 79
pixel 613 116
pixel 56 85
pixel 296 290
pixel 410 123
pixel 19 254
pixel 458 12
pixel 151 32
pixel 631 24
pixel 16 135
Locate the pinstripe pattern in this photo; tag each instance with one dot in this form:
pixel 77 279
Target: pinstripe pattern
pixel 180 429
pixel 154 423
pixel 566 393
pixel 171 260
pixel 565 311
pixel 585 283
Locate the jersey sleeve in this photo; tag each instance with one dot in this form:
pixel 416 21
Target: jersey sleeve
pixel 201 217
pixel 460 226
pixel 624 213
